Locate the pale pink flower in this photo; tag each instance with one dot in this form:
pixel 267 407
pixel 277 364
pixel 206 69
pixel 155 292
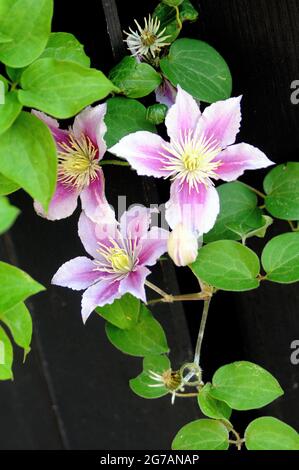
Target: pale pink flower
pixel 120 255
pixel 200 151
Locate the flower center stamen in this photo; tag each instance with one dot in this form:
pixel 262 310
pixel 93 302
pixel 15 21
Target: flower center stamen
pixel 116 260
pixel 120 260
pixel 77 162
pixel 192 159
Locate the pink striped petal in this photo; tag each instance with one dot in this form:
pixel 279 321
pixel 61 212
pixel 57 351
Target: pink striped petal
pixel 102 293
pixel 166 93
pixel 77 274
pixel 183 116
pixel 221 121
pixel 135 222
pixel 59 135
pixel 94 202
pixel 134 283
pixel 62 205
pixel 90 122
pixel 238 158
pixel 197 210
pixel 153 247
pixel 92 234
pixel 143 151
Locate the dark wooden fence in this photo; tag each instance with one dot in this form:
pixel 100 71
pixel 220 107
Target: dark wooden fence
pixel 72 392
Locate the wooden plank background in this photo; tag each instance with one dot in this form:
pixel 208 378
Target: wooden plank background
pixel 72 392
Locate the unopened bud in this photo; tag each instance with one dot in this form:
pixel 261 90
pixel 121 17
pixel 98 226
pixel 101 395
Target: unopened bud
pixel 156 113
pixel 182 245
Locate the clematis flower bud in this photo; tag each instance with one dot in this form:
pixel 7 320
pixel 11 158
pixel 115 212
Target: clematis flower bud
pixel 182 245
pixel 156 113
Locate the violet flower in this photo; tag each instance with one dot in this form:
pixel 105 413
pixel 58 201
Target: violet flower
pixel 200 151
pixel 120 256
pixel 79 151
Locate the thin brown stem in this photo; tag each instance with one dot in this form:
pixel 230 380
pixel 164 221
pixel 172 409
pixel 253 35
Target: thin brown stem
pixel 201 331
pixel 256 191
pixel 186 395
pixel 180 298
pixel 114 162
pixel 158 291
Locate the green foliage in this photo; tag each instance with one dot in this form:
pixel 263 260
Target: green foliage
pixel 280 258
pixel 134 79
pixel 123 313
pixel 282 188
pixel 19 322
pixel 125 116
pixel 66 47
pixel 8 214
pixel 28 24
pixel 62 88
pixel 7 186
pixel 15 287
pixel 144 385
pixel 245 386
pixel 203 434
pixel 28 157
pixel 212 407
pixel 227 265
pixel 267 433
pixel 239 214
pixel 145 338
pixel 167 16
pixel 9 111
pixel 6 356
pixel 199 69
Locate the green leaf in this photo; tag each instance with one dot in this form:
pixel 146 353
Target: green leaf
pixel 134 79
pixel 9 111
pixel 267 433
pixel 28 157
pixel 282 188
pixel 3 86
pixel 167 17
pixel 211 407
pixel 238 213
pixel 28 24
pixel 14 74
pixel 125 116
pixel 280 258
pixel 145 338
pixel 18 320
pixel 6 356
pixel 8 214
pixel 199 69
pixel 4 38
pixel 15 286
pixel 65 46
pixel 62 89
pixel 203 434
pixel 245 386
pixel 227 265
pixel 7 186
pixel 123 313
pixel 144 385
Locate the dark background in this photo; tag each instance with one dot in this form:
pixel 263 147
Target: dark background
pixel 72 392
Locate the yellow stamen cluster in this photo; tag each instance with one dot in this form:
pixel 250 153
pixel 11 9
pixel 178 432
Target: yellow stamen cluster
pixel 116 259
pixel 77 162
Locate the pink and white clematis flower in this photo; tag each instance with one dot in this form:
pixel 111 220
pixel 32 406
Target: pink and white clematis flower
pixel 79 151
pixel 200 151
pixel 120 255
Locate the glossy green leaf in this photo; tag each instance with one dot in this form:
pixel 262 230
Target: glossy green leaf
pixel 14 74
pixel 65 46
pixel 7 186
pixel 280 258
pixel 123 313
pixel 267 433
pixel 9 111
pixel 8 214
pixel 282 188
pixel 238 215
pixel 198 69
pixel 135 79
pixel 245 386
pixel 28 157
pixel 203 434
pixel 28 24
pixel 18 320
pixel 227 265
pixel 123 117
pixel 15 286
pixel 167 17
pixel 145 338
pixel 61 88
pixel 144 385
pixel 6 356
pixel 3 87
pixel 211 407
pixel 4 38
